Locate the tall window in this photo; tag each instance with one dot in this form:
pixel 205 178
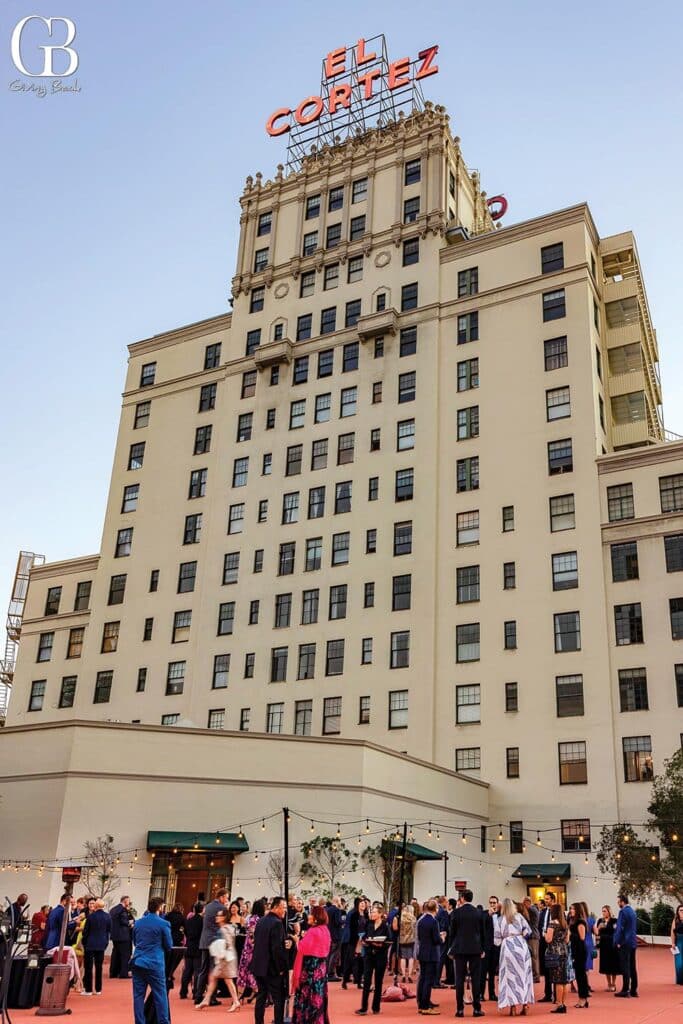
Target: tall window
pixel 401 593
pixel 404 482
pixel 403 538
pixel 633 689
pixel 560 458
pixel 468 282
pixel 400 650
pixel 409 297
pixel 516 827
pixel 309 606
pixel 676 617
pixel 620 502
pixel 671 493
pixel 278 664
pixel 468 704
pixel 337 605
pixel 74 647
pixel 117 589
pixel 412 171
pixel 467 642
pixel 468 422
pixel 197 488
pixel 562 513
pixel 557 404
pixel 468 374
pixel 136 455
pixel 411 251
pixel 637 752
pixel 567 632
pixel 221 669
pixel 340 548
pixel 468 327
pixel 290 507
pixel 110 637
pixel 303 716
pixel 332 707
pixel 363 710
pixel 565 570
pixel 511 697
pixel 569 696
pixel 552 258
pixel 207 397
pixel 411 210
pixel 103 682
pixel 316 502
pixel 82 601
pixel 555 353
pixel 275 718
pixel 148 375
pixel 467 528
pixel 306 668
pixel 398 709
pixel 510 635
pixel 67 693
pixel 467 584
pixel 334 658
pixel 624 561
pixel 572 763
pixel 226 618
pixel 554 307
pixel 202 440
pixel 628 624
pixel 673 552
pixel 37 695
pixel 467 474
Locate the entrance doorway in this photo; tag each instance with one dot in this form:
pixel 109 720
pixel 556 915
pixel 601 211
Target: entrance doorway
pixel 186 877
pixel 537 892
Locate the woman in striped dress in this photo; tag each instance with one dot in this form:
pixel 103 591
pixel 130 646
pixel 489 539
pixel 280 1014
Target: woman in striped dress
pixel 515 976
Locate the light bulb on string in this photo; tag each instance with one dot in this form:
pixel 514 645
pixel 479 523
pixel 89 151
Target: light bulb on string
pixel 461 860
pixel 538 839
pixel 500 834
pixel 358 840
pixel 585 859
pixel 552 856
pixel 312 828
pixel 338 832
pixel 438 836
pixel 263 825
pixel 240 834
pixel 429 831
pixel 218 839
pixel 464 838
pixel 367 825
pixel 255 856
pixel 136 855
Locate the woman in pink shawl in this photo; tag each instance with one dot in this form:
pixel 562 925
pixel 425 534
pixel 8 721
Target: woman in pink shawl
pixel 309 978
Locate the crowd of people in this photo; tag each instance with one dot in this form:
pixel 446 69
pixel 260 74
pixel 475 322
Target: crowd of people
pixel 270 951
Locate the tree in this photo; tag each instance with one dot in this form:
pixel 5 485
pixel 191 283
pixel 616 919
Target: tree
pixel 99 875
pixel 325 864
pixel 276 875
pixel 384 864
pixel 645 870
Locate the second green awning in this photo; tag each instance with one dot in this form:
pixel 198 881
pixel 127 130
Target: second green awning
pixel 204 841
pixel 416 852
pixel 543 871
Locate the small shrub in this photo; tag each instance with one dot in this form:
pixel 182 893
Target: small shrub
pixel 662 915
pixel 642 921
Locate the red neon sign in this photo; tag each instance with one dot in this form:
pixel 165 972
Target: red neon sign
pixel 398 75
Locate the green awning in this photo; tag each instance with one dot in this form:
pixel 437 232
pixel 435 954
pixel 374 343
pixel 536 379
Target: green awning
pixel 204 841
pixel 544 872
pixel 416 852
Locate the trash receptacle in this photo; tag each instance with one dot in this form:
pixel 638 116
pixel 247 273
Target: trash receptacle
pixel 55 991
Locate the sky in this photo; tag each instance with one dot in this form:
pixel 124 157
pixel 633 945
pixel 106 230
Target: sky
pixel 119 202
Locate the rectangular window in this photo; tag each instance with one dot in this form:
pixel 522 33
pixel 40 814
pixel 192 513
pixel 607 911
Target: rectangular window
pixel 244 426
pixel 356 228
pixel 363 710
pixel 373 488
pixel 286 559
pixel 411 251
pixel 306 669
pixel 366 651
pixel 337 604
pixel 275 717
pixel 370 542
pixel 265 222
pixel 398 709
pixel 569 696
pixel 290 507
pixel 304 325
pixel 516 827
pixel 359 190
pixel 409 297
pixel 509 576
pixel 403 490
pixel 576 834
pixel 335 199
pixel 74 647
pixel 240 472
pixel 467 528
pixel 182 622
pixel 468 474
pixel 676 617
pixel 117 589
pixel 316 503
pixel 620 502
pixel 467 584
pixel 673 553
pixel 231 566
pixel 412 171
pixel 171 719
pixel 508 518
pixel 403 538
pixel 236 518
pixel 355 270
pixel 257 300
pixel 278 664
pixel 350 357
pixel 345 448
pixel 560 458
pixel 331 276
pixel 323 407
pixel 333 237
pixel 510 635
pixel 671 493
pixel 110 637
pixel 401 593
pixel 552 258
pixel 309 607
pixel 406 386
pixel 312 207
pixel 468 374
pixel 67 693
pixel 283 611
pixel 207 397
pixel 340 548
pixel 334 658
pixel 82 601
pixel 468 282
pixel 37 696
pixel 377 392
pixel 554 305
pixel 555 353
pixel 221 670
pixel 254 607
pixel 54 594
pixel 467 704
pixel 148 374
pixel 633 689
pixel 411 210
pixel 307 285
pixel 637 752
pixel 468 327
pixel 678 675
pixel 253 341
pixel 314 553
pixel 624 561
pixel 202 440
pixel 400 650
pixel 352 313
pixel 468 422
pixel 197 488
pixel 216 719
pixel 572 763
pixel 628 624
pixel 557 404
pixel 303 715
pixel 142 411
pixel 148 629
pixel 562 513
pixel 310 243
pixel 349 402
pixel 192 529
pixel 297 414
pixel 369 595
pixel 103 682
pixel 567 632
pixel 511 697
pixel 295 454
pixel 226 618
pixel 136 455
pixel 565 568
pixel 468 759
pixel 342 497
pixel 245 719
pixel 332 707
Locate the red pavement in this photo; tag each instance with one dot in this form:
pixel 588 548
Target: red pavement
pixel 660 1002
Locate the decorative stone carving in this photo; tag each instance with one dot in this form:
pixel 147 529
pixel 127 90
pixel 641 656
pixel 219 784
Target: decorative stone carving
pixel 382 259
pixel 281 290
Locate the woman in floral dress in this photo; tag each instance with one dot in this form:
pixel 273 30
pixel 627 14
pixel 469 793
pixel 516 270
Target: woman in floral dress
pixel 309 978
pixel 245 979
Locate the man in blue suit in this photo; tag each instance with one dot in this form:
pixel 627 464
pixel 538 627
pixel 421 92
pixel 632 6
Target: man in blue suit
pixel 152 937
pixel 54 922
pixel 430 941
pixel 625 942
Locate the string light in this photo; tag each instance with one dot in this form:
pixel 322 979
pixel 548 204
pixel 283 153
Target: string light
pixel 367 826
pixel 218 838
pixel 240 834
pixel 312 829
pixel 538 839
pixel 464 838
pixel 493 846
pixel 263 825
pixel 500 834
pixel 438 837
pixel 338 832
pixel 429 833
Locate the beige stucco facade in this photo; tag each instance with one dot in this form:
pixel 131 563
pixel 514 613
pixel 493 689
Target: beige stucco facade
pixel 549 341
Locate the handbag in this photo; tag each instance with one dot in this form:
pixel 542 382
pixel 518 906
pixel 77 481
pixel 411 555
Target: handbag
pixel 552 959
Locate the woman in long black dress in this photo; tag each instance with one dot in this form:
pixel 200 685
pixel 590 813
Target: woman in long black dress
pixel 578 930
pixel 609 957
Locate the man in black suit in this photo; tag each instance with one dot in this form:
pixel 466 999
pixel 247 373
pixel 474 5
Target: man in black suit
pixel 489 965
pixel 122 922
pixel 543 922
pixel 430 944
pixel 269 962
pixel 467 945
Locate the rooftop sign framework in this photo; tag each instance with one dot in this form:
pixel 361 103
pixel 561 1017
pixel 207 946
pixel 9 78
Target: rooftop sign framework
pixel 360 88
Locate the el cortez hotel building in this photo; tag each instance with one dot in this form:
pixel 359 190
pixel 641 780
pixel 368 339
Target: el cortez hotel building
pixel 400 538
